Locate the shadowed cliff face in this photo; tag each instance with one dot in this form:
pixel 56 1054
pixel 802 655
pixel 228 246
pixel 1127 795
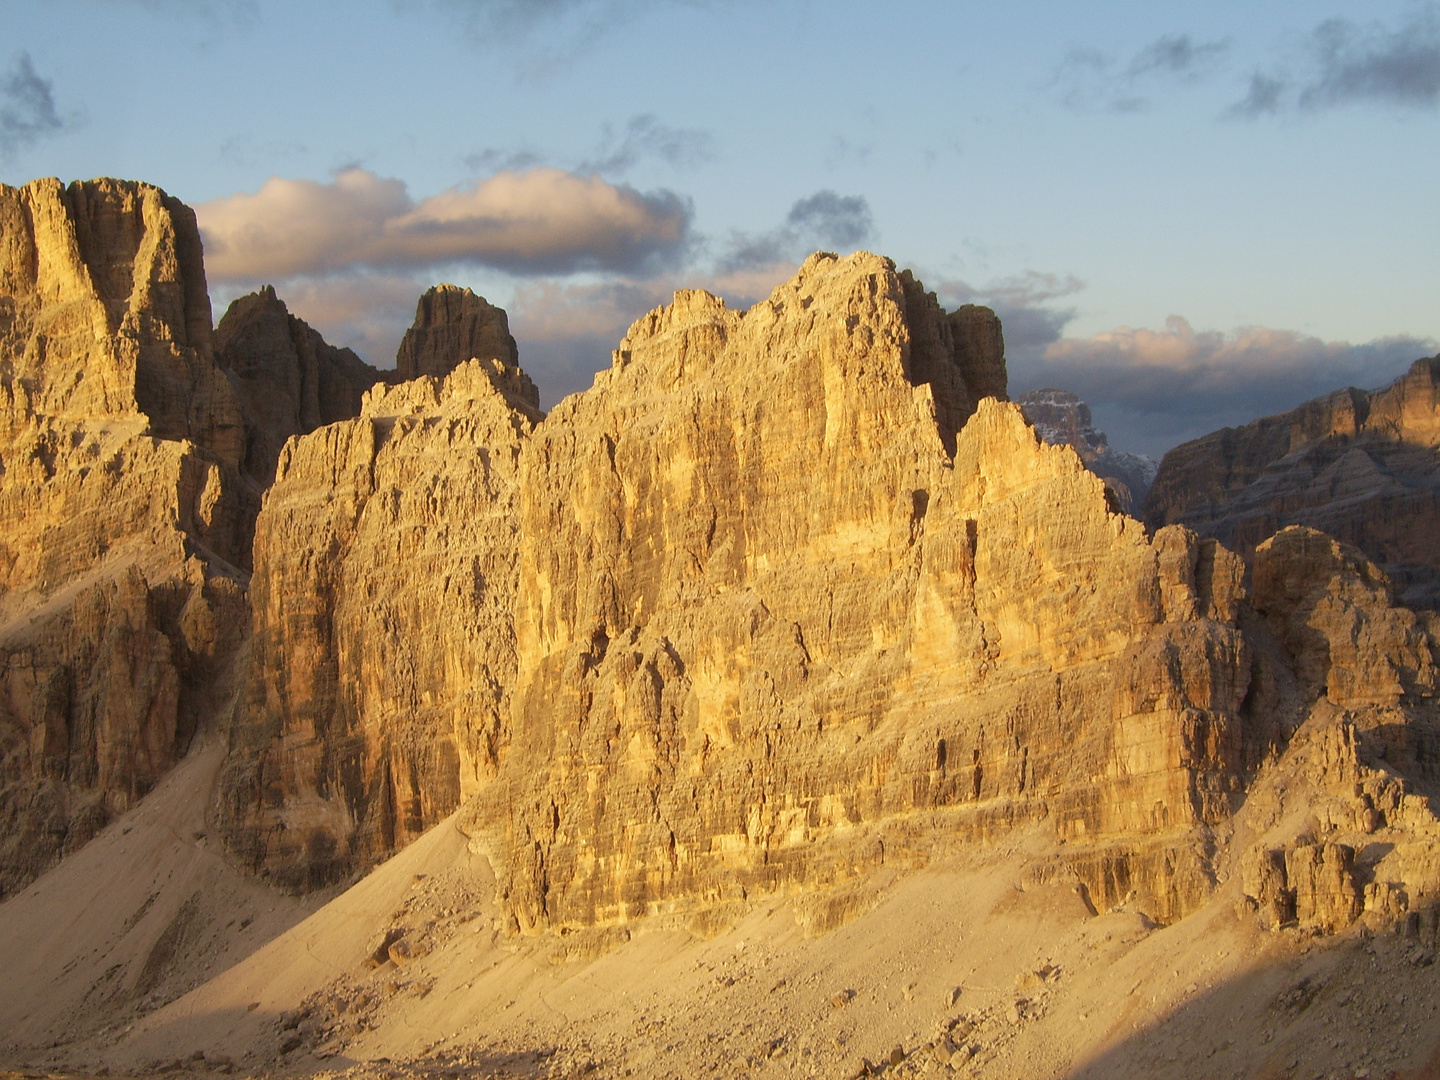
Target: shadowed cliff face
pixel 289 380
pixel 120 439
pixel 128 497
pixel 1358 465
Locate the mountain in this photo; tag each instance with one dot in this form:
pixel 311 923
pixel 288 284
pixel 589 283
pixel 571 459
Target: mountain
pixel 1359 465
pixel 783 699
pixel 1062 419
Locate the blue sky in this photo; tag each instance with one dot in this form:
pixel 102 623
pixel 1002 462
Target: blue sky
pixel 1191 214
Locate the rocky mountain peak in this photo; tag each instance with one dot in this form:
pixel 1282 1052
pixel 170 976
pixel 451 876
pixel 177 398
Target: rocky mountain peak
pixel 453 325
pixel 1062 419
pixel 290 380
pixel 1358 464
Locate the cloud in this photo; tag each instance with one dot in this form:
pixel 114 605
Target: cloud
pixel 554 32
pixel 843 151
pixel 27 108
pixel 821 220
pixel 1157 388
pixel 1025 304
pixel 645 137
pixel 1176 56
pixel 1346 64
pixel 533 222
pixel 1372 64
pixel 1091 80
pixel 1266 96
pixel 245 151
pixel 494 159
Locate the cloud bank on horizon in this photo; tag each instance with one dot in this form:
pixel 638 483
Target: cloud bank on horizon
pixel 1157 388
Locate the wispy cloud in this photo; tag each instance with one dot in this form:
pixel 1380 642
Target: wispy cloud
pixel 533 222
pixel 822 220
pixel 1343 63
pixel 641 138
pixel 495 159
pixel 554 33
pixel 27 108
pixel 645 137
pixel 1094 80
pixel 1266 95
pixel 845 151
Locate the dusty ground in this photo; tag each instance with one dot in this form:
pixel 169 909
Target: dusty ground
pixel 146 953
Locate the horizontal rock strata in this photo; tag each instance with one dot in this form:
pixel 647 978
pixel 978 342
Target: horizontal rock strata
pixel 1358 465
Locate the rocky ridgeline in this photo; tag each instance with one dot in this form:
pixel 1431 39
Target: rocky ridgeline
pixel 788 595
pixel 781 598
pixel 136 446
pixel 1359 465
pixel 1062 419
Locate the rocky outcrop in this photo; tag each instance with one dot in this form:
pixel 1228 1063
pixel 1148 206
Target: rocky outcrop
pixel 134 457
pixel 1358 465
pixel 1062 419
pixel 360 711
pixel 453 325
pixel 783 598
pixel 288 378
pixel 125 511
pixel 383 646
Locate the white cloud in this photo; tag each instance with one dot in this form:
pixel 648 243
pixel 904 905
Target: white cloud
pixel 538 221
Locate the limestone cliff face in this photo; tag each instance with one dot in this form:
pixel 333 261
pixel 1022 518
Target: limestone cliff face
pixel 773 631
pixel 288 378
pixel 1357 465
pixel 383 646
pixel 787 595
pixel 107 314
pixel 1061 418
pixel 120 440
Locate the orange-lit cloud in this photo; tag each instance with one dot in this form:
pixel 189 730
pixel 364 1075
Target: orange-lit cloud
pixel 538 221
